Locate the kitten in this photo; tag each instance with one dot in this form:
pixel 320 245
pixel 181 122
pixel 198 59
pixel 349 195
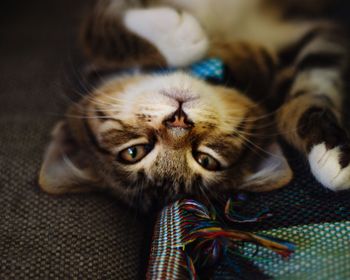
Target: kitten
pixel 153 137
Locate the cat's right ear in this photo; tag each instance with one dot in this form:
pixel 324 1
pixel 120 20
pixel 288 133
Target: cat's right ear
pixel 66 167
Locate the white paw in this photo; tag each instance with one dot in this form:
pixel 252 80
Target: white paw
pixel 326 167
pixel 178 36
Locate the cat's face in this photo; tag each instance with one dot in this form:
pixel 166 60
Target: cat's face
pixel 152 138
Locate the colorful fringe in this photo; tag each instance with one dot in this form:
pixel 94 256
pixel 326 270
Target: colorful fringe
pixel 188 239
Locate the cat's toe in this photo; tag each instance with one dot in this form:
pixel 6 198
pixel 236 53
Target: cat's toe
pixel 178 36
pixel 331 166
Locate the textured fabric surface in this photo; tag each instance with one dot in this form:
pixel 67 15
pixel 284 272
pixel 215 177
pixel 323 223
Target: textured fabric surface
pixel 314 218
pixel 86 236
pixel 304 201
pixel 305 213
pixel 167 259
pixel 323 253
pixel 209 69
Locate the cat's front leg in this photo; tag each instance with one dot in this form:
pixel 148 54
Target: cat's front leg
pixel 119 36
pixel 311 118
pixel 330 163
pixel 177 35
pixel 319 134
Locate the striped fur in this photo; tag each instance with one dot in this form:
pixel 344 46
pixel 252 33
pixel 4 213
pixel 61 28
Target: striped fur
pixel 284 77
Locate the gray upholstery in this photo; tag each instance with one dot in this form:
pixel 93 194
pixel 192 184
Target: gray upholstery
pixel 85 236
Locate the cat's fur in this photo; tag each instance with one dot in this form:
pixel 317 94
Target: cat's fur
pixel 285 77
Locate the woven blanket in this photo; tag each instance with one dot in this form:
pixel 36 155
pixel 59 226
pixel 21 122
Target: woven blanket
pixel 305 213
pixel 314 218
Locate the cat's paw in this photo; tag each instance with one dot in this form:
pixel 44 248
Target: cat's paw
pixel 331 166
pixel 177 35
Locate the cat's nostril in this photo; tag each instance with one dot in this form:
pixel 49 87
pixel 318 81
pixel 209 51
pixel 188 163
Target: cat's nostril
pixel 172 119
pixel 179 120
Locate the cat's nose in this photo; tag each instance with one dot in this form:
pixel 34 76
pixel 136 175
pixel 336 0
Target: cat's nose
pixel 179 120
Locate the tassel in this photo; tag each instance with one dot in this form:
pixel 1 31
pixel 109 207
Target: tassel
pixel 189 240
pixel 235 217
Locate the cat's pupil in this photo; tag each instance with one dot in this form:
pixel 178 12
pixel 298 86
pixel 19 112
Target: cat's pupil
pixel 132 152
pixel 207 162
pixel 204 161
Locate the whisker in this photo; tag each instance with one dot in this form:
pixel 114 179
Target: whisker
pixel 247 141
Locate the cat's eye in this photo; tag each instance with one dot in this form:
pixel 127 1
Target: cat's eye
pixel 207 161
pixel 135 153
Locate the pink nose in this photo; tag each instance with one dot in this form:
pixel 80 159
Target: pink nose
pixel 179 120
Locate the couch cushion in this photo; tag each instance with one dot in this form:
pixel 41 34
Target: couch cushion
pixel 43 236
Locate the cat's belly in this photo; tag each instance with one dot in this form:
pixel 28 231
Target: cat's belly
pixel 217 14
pixel 243 20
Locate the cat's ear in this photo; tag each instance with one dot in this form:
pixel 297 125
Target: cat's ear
pixel 273 172
pixel 66 166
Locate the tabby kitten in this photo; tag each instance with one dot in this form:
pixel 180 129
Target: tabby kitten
pixel 153 137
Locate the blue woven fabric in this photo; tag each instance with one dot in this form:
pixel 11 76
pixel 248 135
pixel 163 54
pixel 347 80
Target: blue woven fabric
pixel 208 69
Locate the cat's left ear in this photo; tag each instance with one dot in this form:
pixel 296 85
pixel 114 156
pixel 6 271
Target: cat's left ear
pixel 66 167
pixel 272 173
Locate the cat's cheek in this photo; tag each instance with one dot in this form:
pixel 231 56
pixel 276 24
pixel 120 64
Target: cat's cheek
pixel 208 177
